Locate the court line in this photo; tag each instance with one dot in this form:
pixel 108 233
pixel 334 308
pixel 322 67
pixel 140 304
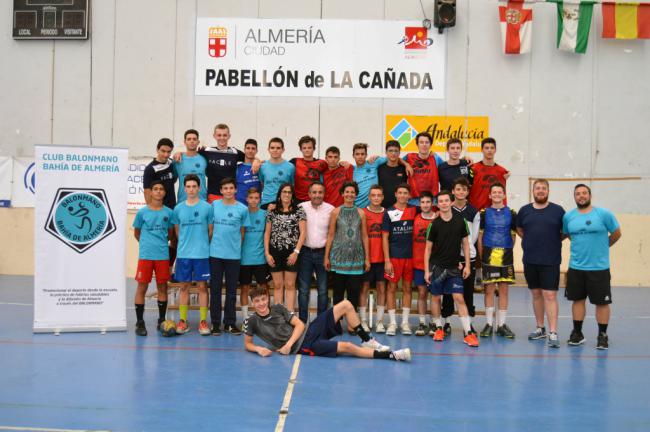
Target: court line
pixel 36 429
pixel 537 356
pixel 284 409
pixel 111 346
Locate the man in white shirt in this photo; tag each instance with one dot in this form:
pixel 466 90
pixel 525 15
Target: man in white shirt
pixel 312 253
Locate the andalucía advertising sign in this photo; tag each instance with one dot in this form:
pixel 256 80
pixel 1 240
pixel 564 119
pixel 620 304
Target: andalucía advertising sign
pixel 325 58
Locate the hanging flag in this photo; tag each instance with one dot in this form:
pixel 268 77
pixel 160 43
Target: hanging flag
pixel 516 26
pixel 626 21
pixel 573 24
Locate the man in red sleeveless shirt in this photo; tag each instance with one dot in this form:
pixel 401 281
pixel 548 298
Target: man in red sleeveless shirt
pixel 484 173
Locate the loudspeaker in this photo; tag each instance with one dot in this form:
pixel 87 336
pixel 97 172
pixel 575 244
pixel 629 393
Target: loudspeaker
pixel 444 14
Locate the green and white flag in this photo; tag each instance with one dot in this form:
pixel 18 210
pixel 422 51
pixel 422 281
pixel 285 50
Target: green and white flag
pixel 573 23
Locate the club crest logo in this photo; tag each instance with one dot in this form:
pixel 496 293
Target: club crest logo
pixel 29 179
pixel 80 218
pixel 217 41
pixel 415 38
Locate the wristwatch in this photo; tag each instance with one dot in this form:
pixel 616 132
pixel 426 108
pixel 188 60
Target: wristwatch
pixel 297 251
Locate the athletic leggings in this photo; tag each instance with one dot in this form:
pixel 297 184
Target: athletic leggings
pixel 468 295
pixel 345 282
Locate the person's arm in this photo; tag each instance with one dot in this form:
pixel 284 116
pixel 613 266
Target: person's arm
pixel 210 230
pixel 250 346
pixel 520 232
pixel 364 239
pixel 136 233
pixel 513 226
pixel 298 328
pixel 476 226
pixel 406 165
pixel 330 238
pixel 466 269
pixel 173 239
pixel 267 240
pixel 302 226
pixel 388 265
pixel 479 248
pixel 613 237
pixel 427 257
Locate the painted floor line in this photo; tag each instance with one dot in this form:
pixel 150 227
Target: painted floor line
pixel 284 409
pixel 37 429
pixel 113 346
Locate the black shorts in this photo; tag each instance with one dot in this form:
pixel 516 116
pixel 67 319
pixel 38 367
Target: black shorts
pixel 260 272
pixel 542 276
pixel 317 340
pixel 375 274
pixel 594 284
pixel 498 265
pixel 280 257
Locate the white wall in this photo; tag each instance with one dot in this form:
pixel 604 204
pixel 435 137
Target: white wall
pixel 554 114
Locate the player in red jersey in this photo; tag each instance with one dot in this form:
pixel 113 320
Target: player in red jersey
pixel 335 175
pixel 374 218
pixel 484 173
pixel 425 168
pixel 308 169
pixel 420 228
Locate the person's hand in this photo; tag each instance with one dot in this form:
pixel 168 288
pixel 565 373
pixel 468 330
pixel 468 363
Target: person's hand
pixel 409 169
pixel 270 207
pixel 201 148
pixel 327 264
pixel 372 158
pixel 506 175
pixel 292 258
pixel 469 160
pixel 177 157
pixel 264 352
pixel 270 261
pixel 367 265
pixel 255 167
pixel 388 268
pixel 345 164
pixel 285 350
pixel 466 272
pixel 427 276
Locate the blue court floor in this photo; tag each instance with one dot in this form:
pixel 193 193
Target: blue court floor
pixel 121 382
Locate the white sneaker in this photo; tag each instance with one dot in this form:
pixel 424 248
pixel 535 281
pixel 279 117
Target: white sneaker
pixel 406 329
pixel 403 354
pixel 392 329
pixel 372 343
pixel 379 327
pixel 365 326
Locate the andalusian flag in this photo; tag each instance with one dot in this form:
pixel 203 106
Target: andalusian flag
pixel 626 20
pixel 573 24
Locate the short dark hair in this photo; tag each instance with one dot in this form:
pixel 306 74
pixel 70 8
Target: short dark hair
pixel 348 184
pixel 227 180
pixel 190 132
pixel 360 146
pixel 157 182
pixel 333 149
pixel 497 184
pixel 253 190
pixel 403 186
pixel 277 140
pixel 192 177
pixel 462 180
pixel 251 141
pixel 306 139
pixel 446 192
pixel 376 187
pixel 488 140
pixel 426 135
pixel 317 183
pixel 392 143
pixel 165 142
pixel 579 185
pixel 426 194
pixel 454 141
pixel 258 291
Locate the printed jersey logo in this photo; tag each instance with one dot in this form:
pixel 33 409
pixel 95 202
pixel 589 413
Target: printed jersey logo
pixel 217 41
pixel 80 218
pixel 312 174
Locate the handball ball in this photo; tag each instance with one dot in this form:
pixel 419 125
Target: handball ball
pixel 168 328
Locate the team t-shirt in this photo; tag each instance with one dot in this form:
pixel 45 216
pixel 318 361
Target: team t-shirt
pixel 275 328
pixel 273 175
pixel 481 177
pixel 191 165
pixel 542 242
pixel 366 176
pixel 252 249
pixel 193 222
pixel 389 179
pixel 333 180
pixel 447 237
pixel 589 237
pixel 163 172
pixel 399 226
pixel 228 220
pixel 374 222
pixel 420 229
pixel 448 173
pixel 498 226
pixel 473 219
pixel 425 174
pixel 246 179
pixel 307 172
pixel 221 164
pixel 154 228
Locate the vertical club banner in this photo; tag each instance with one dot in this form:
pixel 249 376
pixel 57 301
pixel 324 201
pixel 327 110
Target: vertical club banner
pixel 135 185
pixel 80 218
pixel 470 130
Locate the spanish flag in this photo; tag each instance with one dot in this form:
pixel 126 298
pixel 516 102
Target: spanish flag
pixel 626 20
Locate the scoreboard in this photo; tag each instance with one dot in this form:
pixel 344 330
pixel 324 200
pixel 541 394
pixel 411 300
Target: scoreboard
pixel 50 19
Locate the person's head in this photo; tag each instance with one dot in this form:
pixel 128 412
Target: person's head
pixel 392 150
pixel 286 197
pixel 360 153
pixel 164 149
pixel 460 188
pixel 333 156
pixel 228 188
pixel 191 183
pixel 444 201
pixel 582 195
pixel 497 193
pixel 424 141
pixel 376 195
pixel 349 191
pixel 253 197
pixel 403 193
pixel 276 147
pixel 489 148
pixel 260 299
pixel 250 148
pixel 221 135
pixel 540 191
pixel 157 190
pixel 191 139
pixel 307 146
pixel 316 193
pixel 426 201
pixel 454 148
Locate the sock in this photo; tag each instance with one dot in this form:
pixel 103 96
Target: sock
pixel 391 316
pixel 244 311
pixel 464 320
pixel 380 313
pixel 405 315
pixel 422 319
pixel 438 321
pixel 203 313
pixel 365 337
pixel 162 310
pixel 363 313
pixel 501 317
pixel 182 310
pixel 489 315
pixel 602 328
pixel 383 355
pixel 577 326
pixel 139 311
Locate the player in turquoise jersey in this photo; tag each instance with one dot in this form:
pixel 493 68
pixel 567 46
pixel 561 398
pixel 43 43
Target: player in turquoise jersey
pixel 191 162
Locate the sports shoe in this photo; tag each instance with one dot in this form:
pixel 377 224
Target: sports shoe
pixel 432 328
pixel 553 341
pixel 372 343
pixel 405 328
pixel 204 328
pixel 215 330
pixel 439 335
pixel 539 333
pixel 603 341
pixel 140 328
pixel 487 331
pixel 447 328
pixel 160 321
pixel 402 355
pixel 232 329
pixel 365 326
pixel 471 340
pixel 422 330
pixel 505 331
pixel 576 338
pixel 379 327
pixel 182 327
pixel 392 329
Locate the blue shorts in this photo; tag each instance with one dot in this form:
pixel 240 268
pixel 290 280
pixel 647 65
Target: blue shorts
pixel 418 277
pixel 451 285
pixel 375 274
pixel 317 340
pixel 192 269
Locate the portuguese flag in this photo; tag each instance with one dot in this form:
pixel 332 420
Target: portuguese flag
pixel 626 20
pixel 573 24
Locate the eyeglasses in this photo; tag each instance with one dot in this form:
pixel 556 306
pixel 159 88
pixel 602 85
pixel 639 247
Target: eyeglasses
pixel 286 192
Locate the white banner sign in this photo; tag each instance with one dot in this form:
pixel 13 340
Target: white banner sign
pixel 324 58
pixel 135 196
pixel 24 182
pixel 80 217
pixel 6 165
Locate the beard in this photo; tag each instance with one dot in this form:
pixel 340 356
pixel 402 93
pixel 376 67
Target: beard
pixel 541 200
pixel 585 205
